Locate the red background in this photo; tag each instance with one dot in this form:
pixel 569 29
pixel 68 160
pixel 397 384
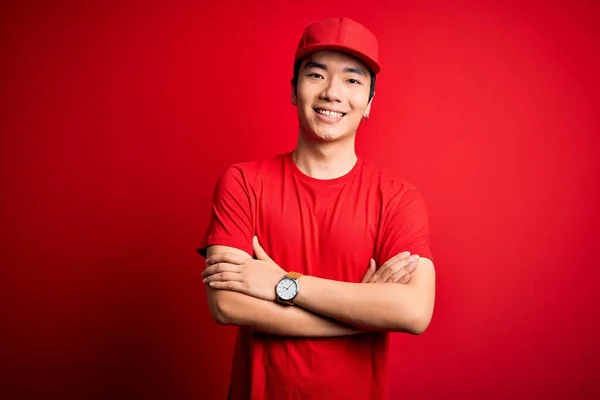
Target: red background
pixel 117 120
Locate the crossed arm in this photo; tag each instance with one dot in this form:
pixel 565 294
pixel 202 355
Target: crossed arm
pixel 230 307
pixel 241 292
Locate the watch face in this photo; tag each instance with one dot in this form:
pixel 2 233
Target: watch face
pixel 287 289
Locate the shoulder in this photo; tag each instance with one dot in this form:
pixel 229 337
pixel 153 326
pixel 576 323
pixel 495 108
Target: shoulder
pixel 260 165
pixel 392 186
pixel 256 167
pixel 246 176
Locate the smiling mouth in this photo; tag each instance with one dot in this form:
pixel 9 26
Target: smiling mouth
pixel 330 114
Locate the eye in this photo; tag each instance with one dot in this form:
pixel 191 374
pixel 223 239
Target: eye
pixel 354 82
pixel 315 75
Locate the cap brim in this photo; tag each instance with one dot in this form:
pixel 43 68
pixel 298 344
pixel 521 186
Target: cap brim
pixel 368 61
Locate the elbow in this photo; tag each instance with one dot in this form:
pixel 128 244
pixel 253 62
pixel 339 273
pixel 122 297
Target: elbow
pixel 219 308
pixel 417 322
pixel 220 317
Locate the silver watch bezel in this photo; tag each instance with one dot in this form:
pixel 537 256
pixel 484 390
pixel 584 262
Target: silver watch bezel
pixel 295 281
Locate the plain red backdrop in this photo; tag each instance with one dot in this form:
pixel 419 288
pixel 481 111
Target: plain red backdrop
pixel 117 120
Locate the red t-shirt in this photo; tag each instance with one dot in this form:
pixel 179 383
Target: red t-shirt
pixel 324 228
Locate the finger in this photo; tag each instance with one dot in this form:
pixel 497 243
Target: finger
pixel 230 258
pixel 370 271
pixel 229 285
pixel 389 268
pixel 220 267
pixel 376 277
pixel 224 277
pixel 404 263
pixel 399 277
pixel 404 279
pixel 398 257
pixel 412 266
pixel 259 252
pixel 390 271
pixel 384 272
pixel 403 274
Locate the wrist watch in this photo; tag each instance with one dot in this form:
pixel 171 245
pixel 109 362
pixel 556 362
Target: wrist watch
pixel 288 287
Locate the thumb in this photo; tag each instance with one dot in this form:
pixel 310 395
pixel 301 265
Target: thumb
pixel 259 252
pixel 370 271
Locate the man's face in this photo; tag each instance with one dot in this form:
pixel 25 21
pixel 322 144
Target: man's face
pixel 332 95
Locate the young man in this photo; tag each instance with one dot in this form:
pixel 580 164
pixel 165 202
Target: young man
pixel 295 240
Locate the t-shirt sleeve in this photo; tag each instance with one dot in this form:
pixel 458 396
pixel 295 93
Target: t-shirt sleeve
pixel 406 227
pixel 231 217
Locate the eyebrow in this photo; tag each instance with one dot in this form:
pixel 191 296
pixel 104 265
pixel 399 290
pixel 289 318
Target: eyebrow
pixel 354 70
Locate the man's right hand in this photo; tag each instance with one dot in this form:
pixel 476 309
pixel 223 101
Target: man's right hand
pixel 395 270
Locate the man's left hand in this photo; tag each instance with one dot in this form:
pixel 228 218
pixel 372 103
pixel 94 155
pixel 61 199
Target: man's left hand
pixel 257 278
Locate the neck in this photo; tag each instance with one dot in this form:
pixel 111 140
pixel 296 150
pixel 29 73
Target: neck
pixel 323 160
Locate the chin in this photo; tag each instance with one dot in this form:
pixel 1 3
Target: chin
pixel 323 132
pixel 326 136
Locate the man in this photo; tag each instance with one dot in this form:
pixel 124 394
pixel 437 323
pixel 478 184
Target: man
pixel 314 310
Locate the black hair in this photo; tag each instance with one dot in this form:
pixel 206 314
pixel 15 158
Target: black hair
pixel 298 63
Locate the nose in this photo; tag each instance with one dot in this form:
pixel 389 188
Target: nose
pixel 332 91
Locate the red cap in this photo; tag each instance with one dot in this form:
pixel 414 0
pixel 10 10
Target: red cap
pixel 341 34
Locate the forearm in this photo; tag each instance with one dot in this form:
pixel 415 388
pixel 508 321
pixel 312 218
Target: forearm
pixel 234 308
pixel 373 306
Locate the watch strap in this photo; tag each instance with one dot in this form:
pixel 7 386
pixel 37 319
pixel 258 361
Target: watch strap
pixel 293 275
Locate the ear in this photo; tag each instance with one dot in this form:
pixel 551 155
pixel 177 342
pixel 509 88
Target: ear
pixel 368 109
pixel 294 95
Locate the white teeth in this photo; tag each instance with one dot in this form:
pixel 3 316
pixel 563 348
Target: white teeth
pixel 329 113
